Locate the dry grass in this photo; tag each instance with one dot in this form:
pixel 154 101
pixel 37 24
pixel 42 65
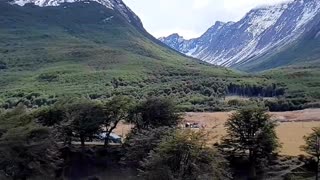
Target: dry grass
pixel 291 130
pixel 292 127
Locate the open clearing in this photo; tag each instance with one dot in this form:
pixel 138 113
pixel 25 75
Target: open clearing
pixel 292 126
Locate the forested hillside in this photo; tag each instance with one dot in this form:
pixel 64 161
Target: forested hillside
pixel 53 52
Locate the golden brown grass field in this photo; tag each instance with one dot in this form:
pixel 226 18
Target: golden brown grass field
pixel 292 126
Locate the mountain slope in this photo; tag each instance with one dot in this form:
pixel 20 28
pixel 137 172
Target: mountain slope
pixel 263 31
pixel 86 49
pixel 305 50
pixel 116 5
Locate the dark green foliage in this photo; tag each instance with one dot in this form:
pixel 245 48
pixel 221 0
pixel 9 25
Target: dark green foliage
pixel 49 77
pixel 84 119
pixel 16 117
pixel 3 65
pixel 154 119
pixel 255 90
pixel 184 155
pixel 251 132
pixel 30 100
pixel 115 110
pixel 50 116
pixel 153 113
pixel 27 152
pixel 312 147
pixel 302 82
pixel 139 143
pixel 285 104
pixel 26 149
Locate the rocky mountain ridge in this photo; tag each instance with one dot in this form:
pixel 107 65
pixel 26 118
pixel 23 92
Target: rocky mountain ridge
pixel 117 5
pixel 261 31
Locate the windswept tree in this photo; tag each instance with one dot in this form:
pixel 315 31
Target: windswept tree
pixel 251 132
pixel 115 110
pixel 184 155
pixel 153 113
pixel 56 114
pixel 312 147
pixel 84 119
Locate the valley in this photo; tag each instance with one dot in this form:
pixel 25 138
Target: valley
pixel 77 74
pixel 99 60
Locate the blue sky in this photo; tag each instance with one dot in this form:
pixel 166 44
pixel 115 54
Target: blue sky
pixel 190 18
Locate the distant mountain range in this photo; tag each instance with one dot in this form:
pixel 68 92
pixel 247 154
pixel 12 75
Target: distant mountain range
pixel 267 37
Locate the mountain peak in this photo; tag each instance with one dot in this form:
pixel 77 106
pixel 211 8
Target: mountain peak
pixel 175 35
pixel 219 23
pixel 43 3
pixel 117 5
pixel 261 31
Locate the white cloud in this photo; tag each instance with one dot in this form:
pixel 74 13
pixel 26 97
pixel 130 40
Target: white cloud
pixel 190 18
pixel 199 4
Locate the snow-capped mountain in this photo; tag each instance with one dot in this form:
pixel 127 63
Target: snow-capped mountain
pixel 117 5
pixel 261 31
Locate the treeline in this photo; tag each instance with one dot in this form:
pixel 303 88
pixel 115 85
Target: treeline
pixel 30 100
pixel 254 90
pixel 273 104
pixel 287 104
pixel 191 93
pixel 40 144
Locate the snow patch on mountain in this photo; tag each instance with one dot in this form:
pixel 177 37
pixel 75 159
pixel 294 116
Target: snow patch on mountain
pixel 191 51
pixel 309 12
pixel 261 31
pixel 110 4
pixel 43 3
pixel 108 19
pixel 262 19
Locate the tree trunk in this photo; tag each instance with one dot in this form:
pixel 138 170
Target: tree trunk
pixel 253 173
pixel 69 141
pixel 82 139
pixel 317 170
pixel 106 140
